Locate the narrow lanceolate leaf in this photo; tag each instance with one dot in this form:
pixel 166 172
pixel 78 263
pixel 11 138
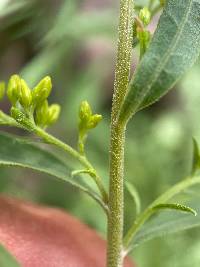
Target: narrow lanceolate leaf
pixel 21 153
pixel 134 194
pixel 177 207
pixel 167 223
pixel 173 50
pixel 6 259
pixel 196 157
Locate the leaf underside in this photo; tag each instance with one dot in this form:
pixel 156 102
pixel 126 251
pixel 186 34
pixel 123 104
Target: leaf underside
pixel 18 152
pixel 173 206
pixel 174 49
pixel 168 222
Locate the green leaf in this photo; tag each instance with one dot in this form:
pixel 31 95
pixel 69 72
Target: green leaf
pixel 196 157
pixel 21 153
pixel 168 222
pixel 173 50
pixel 134 194
pixel 6 259
pixel 177 207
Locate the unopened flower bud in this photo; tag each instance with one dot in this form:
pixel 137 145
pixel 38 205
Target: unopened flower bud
pixel 145 15
pixel 94 121
pixel 41 117
pixel 25 95
pixel 14 88
pixel 85 112
pixel 42 90
pixel 2 89
pixel 53 113
pixel 87 121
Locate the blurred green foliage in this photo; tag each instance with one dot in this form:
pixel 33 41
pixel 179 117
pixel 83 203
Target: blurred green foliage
pixel 74 42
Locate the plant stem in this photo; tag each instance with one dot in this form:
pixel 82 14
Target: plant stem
pixel 177 188
pixel 75 154
pixel 116 199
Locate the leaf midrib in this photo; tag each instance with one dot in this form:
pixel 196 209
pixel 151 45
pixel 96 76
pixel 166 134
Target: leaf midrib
pixel 169 51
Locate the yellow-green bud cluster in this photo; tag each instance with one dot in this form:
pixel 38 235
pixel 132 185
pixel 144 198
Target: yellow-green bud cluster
pixel 32 103
pixel 46 115
pixel 142 33
pixel 87 121
pixel 18 90
pixel 145 16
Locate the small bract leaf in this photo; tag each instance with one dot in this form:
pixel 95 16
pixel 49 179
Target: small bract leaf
pixel 167 223
pixel 173 50
pixel 172 206
pixel 196 157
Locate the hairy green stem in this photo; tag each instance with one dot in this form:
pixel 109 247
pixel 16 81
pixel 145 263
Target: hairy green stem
pixel 116 199
pixel 75 154
pixel 177 188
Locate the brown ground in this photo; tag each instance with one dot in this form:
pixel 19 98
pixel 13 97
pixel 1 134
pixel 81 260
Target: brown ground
pixel 47 237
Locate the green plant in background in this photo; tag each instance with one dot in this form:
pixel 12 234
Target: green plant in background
pixel 6 259
pixel 174 48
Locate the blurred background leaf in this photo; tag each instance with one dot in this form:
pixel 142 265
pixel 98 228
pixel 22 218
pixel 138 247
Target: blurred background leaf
pixel 6 259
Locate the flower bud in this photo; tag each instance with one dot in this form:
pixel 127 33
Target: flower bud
pixel 145 15
pixel 85 112
pixel 14 88
pixel 94 121
pixel 25 95
pixel 42 112
pixel 42 90
pixel 87 121
pixel 2 89
pixel 53 113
